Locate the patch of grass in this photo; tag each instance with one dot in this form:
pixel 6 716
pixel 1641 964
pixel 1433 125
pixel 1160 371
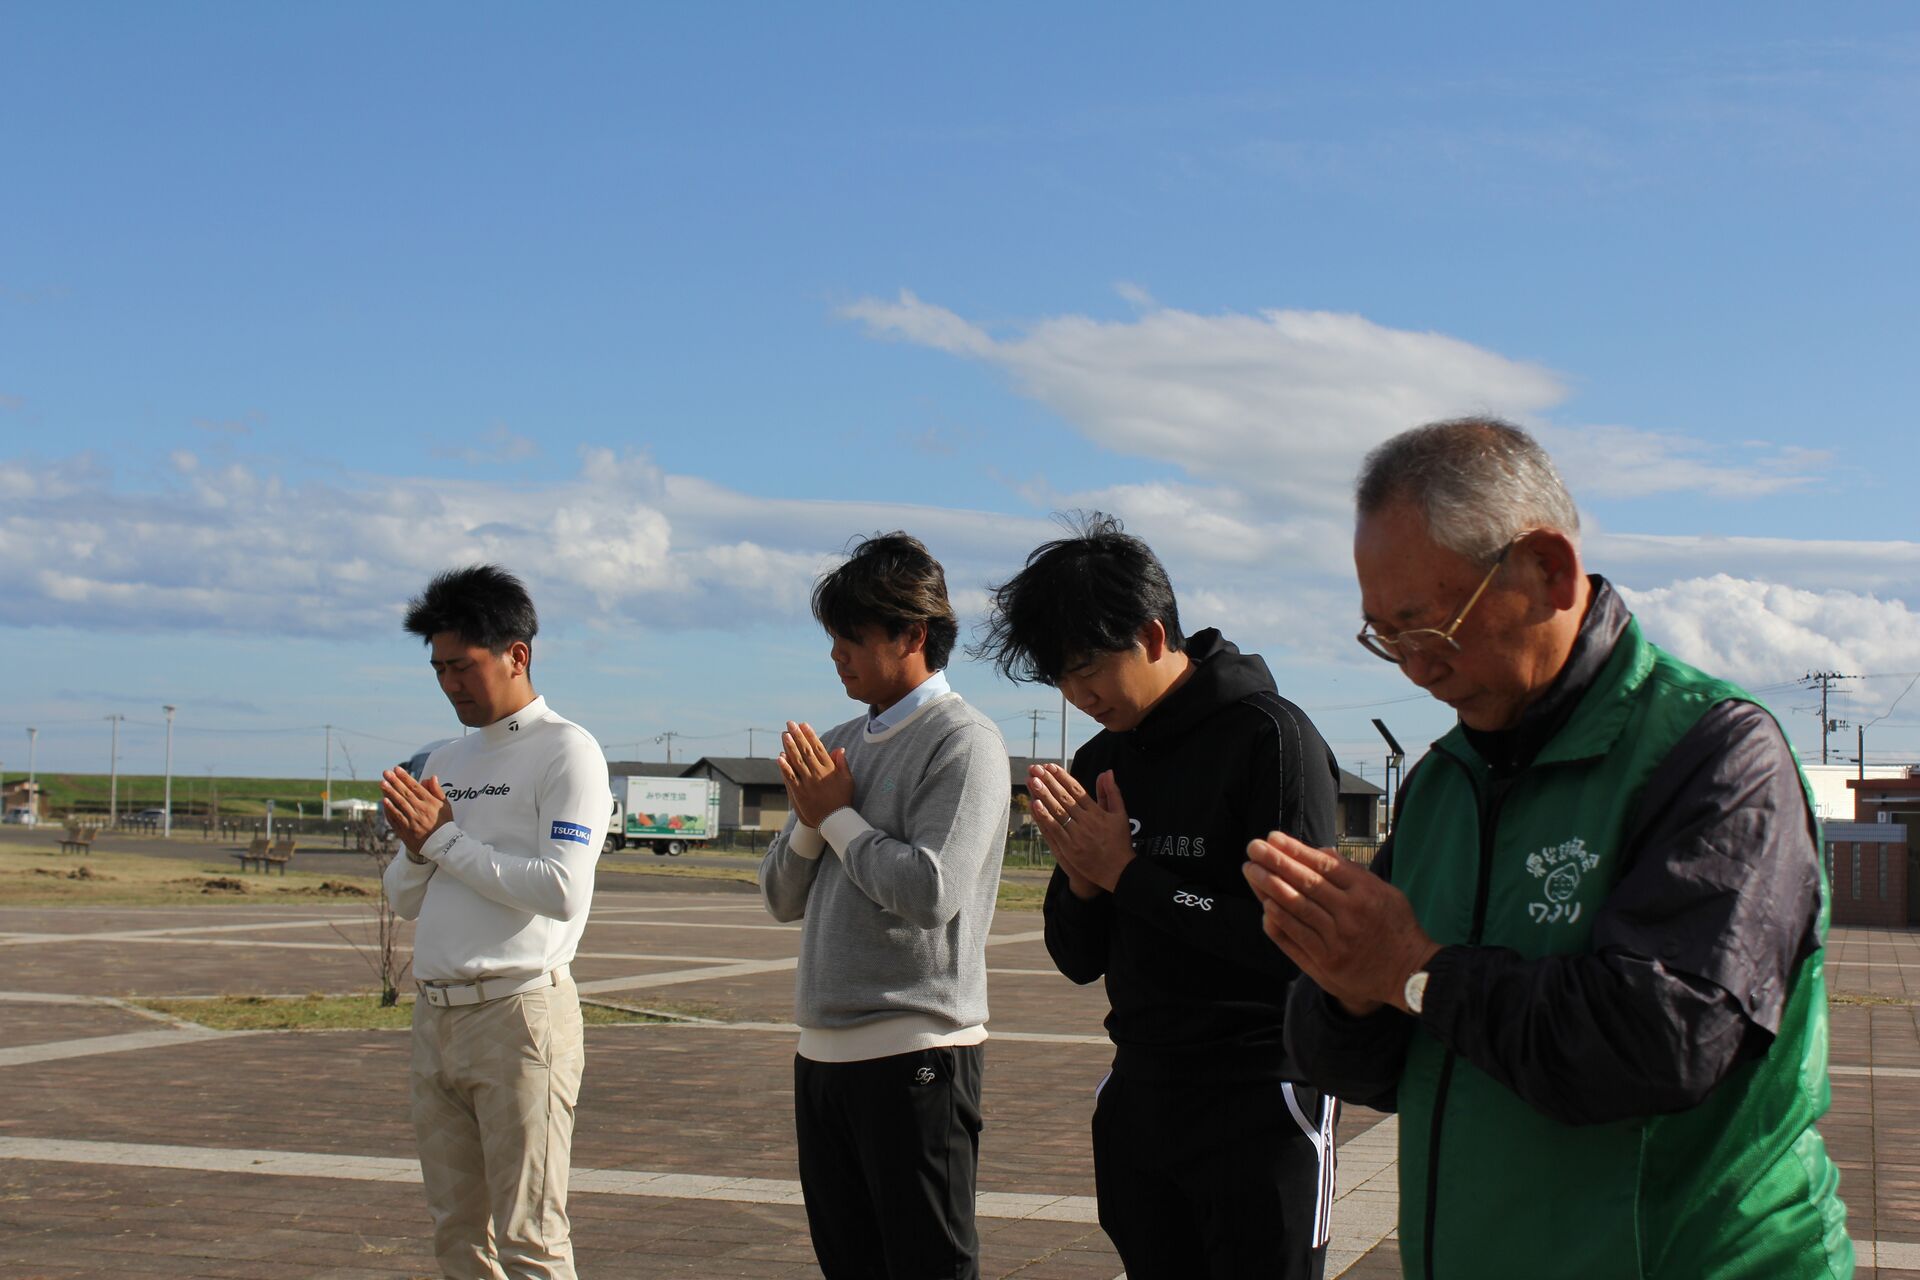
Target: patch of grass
pixel 738 875
pixel 40 875
pixel 1014 895
pixel 1850 997
pixel 1021 895
pixel 277 1013
pixel 337 1013
pixel 602 1015
pixel 654 1011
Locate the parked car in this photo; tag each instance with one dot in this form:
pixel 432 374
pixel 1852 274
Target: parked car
pixel 19 816
pixel 152 815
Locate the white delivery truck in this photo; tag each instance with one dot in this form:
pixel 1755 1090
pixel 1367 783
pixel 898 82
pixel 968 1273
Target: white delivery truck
pixel 664 814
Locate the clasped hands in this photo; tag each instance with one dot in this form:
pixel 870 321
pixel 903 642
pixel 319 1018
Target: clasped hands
pixel 1091 836
pixel 818 780
pixel 1347 929
pixel 414 809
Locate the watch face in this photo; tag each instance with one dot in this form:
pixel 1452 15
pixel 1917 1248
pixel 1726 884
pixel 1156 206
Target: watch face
pixel 1416 991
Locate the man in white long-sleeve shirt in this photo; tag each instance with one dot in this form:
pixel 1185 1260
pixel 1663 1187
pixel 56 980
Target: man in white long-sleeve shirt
pixel 501 839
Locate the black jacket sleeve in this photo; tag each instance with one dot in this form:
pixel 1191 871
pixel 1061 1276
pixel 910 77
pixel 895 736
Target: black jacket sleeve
pixel 1078 931
pixel 1357 1059
pixel 1693 954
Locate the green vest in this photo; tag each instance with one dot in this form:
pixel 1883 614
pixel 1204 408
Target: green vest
pixel 1739 1186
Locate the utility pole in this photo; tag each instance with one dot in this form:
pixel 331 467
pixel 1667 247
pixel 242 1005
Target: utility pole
pixel 750 733
pixel 166 804
pixel 326 797
pixel 1033 739
pixel 1063 729
pixel 33 789
pixel 668 738
pixel 113 774
pixel 1825 680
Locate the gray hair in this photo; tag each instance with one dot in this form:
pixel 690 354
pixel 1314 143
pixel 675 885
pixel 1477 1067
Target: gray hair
pixel 1480 482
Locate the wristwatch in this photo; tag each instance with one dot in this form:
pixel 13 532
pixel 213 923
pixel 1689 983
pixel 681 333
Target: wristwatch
pixel 1415 992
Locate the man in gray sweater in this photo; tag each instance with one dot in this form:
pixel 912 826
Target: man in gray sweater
pixel 892 858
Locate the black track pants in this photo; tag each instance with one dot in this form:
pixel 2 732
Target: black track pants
pixel 1232 1182
pixel 888 1149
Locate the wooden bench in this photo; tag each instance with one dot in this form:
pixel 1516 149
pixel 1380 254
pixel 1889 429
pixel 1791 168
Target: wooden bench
pixel 78 839
pixel 258 850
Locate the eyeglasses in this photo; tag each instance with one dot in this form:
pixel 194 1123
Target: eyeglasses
pixel 1398 647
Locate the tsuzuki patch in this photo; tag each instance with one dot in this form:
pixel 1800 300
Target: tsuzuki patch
pixel 572 831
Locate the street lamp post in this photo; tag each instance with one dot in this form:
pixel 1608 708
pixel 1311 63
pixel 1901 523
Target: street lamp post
pixel 1395 774
pixel 326 797
pixel 166 803
pixel 33 789
pixel 113 773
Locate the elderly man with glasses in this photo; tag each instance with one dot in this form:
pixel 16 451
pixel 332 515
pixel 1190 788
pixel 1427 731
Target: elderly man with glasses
pixel 1586 970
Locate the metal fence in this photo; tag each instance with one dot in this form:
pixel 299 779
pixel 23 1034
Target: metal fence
pixel 227 827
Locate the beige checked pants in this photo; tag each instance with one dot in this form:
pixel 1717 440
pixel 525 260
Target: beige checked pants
pixel 494 1086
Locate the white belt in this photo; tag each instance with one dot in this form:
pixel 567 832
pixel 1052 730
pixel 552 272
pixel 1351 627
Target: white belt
pixel 448 995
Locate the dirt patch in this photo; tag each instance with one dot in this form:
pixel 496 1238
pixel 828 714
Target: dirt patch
pixel 223 884
pixel 342 889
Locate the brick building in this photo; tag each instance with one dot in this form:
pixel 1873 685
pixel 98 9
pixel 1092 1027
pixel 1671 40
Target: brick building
pixel 1871 861
pixel 1867 869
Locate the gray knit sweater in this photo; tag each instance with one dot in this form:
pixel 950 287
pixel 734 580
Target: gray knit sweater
pixel 898 903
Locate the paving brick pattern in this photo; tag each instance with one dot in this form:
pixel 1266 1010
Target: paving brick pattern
pixel 712 1101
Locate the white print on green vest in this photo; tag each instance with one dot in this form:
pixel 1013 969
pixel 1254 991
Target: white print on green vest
pixel 1559 867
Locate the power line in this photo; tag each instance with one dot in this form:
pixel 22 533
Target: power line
pixel 1367 706
pixel 1896 702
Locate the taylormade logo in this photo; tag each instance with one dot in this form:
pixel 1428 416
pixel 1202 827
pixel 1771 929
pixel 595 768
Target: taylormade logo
pixel 472 793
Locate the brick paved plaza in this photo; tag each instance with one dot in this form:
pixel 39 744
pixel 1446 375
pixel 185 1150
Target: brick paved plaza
pixel 136 1147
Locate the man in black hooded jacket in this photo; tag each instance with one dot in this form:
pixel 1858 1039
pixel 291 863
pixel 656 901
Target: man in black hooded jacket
pixel 1208 1160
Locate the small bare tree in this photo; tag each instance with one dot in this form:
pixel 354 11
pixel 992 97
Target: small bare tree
pixel 376 839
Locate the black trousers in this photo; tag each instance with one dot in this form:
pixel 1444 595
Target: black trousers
pixel 888 1149
pixel 1221 1181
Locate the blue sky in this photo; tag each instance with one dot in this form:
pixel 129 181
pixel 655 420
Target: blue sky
pixel 661 304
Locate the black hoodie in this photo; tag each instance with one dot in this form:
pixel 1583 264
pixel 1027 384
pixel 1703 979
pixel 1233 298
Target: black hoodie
pixel 1196 986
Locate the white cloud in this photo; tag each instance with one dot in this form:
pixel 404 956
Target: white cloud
pixel 1886 568
pixel 1626 462
pixel 1217 527
pixel 1762 633
pixel 237 549
pixel 1285 403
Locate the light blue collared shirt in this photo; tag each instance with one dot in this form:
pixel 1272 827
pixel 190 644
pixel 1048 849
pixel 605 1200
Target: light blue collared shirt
pixel 927 690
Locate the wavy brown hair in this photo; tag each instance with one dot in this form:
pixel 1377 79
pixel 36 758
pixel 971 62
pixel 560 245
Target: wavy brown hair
pixel 889 580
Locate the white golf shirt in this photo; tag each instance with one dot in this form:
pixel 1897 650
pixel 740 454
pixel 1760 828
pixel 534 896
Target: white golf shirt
pixel 505 890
